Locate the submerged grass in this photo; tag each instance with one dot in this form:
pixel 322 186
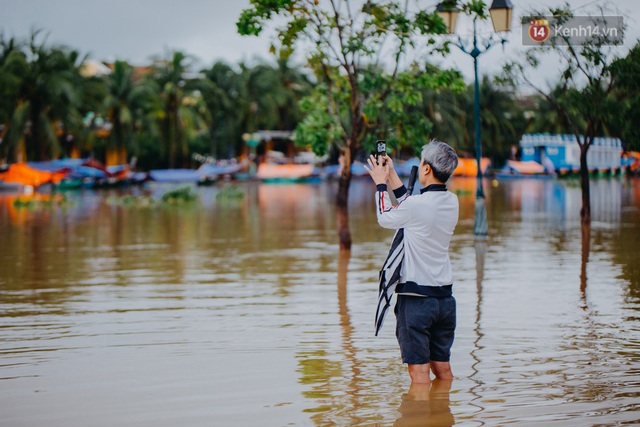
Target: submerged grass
pixel 178 196
pixel 41 201
pixel 230 193
pixel 132 201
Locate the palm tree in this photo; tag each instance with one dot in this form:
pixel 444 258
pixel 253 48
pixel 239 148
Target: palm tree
pixel 46 93
pixel 8 80
pixel 545 117
pixel 260 98
pixel 292 86
pixel 222 89
pixel 270 96
pixel 182 111
pixel 501 119
pixel 448 111
pixel 126 101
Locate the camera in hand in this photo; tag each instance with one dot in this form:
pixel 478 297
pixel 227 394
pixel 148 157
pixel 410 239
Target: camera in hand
pixel 381 149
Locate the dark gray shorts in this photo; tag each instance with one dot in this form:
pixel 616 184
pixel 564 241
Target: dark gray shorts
pixel 425 328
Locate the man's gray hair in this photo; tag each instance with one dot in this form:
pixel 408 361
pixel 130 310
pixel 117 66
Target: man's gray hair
pixel 442 159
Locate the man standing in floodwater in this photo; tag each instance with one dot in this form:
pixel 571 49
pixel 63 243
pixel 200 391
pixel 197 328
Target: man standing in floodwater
pixel 425 308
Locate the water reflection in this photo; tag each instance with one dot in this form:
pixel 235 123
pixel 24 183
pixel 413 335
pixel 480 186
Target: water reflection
pixel 481 253
pixel 173 311
pixel 426 405
pixel 584 259
pixel 349 349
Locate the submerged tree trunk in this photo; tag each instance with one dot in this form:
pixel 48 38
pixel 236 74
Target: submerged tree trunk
pixel 585 211
pixel 342 210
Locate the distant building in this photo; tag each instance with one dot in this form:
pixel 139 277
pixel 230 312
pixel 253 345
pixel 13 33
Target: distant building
pixel 562 152
pixel 93 68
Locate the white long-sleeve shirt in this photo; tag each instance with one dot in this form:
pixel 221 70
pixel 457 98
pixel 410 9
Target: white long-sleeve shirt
pixel 429 220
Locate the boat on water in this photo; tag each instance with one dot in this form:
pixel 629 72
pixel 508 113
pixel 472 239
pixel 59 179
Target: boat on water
pixel 210 173
pixel 284 173
pixel 174 175
pixel 206 174
pixel 76 174
pixel 84 173
pixel 523 169
pixel 20 176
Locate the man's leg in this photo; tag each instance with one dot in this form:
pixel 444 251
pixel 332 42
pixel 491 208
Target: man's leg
pixel 442 370
pixel 419 374
pixel 442 335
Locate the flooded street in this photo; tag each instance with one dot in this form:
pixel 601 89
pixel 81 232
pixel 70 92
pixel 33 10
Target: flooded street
pixel 242 312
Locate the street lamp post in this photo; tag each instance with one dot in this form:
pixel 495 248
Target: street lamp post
pixel 501 12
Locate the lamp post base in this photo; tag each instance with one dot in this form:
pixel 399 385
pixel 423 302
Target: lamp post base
pixel 480 225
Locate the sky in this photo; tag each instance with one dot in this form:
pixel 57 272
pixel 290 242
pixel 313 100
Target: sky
pixel 135 30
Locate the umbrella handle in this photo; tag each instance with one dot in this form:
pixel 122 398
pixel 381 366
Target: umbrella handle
pixel 412 179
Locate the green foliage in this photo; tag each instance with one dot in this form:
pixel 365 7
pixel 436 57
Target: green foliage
pixel 128 104
pixel 318 129
pixel 132 201
pixel 230 195
pixel 361 98
pixel 252 19
pixel 38 201
pixel 183 113
pixel 397 116
pixel 45 90
pixel 361 94
pixel 179 196
pixel 626 77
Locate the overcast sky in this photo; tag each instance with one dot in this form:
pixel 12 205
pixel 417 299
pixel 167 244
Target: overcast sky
pixel 135 30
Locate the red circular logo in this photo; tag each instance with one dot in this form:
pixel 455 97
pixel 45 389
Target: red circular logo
pixel 539 30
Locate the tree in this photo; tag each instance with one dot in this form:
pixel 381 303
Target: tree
pixel 221 90
pixel 544 116
pixel 259 97
pixel 46 93
pixel 584 102
pixel 449 111
pixel 8 96
pixel 292 86
pixel 126 100
pixel 269 96
pixel 183 108
pixel 501 118
pixel 626 81
pixel 356 50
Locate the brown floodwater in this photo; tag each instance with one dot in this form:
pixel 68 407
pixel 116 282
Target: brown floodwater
pixel 242 312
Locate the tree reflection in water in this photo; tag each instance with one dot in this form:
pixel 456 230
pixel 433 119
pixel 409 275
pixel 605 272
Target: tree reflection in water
pixel 586 245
